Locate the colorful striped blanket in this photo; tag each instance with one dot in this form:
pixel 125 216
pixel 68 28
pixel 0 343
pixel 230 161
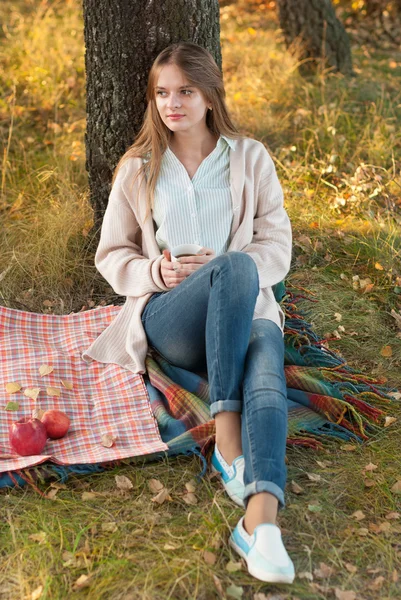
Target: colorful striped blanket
pixel 166 411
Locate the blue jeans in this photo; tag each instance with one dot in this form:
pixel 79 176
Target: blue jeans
pixel 205 324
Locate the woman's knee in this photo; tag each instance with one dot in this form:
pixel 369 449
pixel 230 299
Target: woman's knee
pixel 241 267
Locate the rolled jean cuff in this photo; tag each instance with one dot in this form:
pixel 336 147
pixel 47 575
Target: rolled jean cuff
pixel 264 486
pixel 222 405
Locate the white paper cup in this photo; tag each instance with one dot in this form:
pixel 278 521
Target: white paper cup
pixel 189 249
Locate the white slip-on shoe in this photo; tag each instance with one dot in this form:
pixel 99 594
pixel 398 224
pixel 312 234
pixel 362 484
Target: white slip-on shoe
pixel 263 552
pixel 233 480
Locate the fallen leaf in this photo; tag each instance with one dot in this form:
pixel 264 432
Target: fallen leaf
pixel 39 537
pixel 52 494
pixel 107 440
pixel 32 393
pixel 358 515
pixel 168 546
pixel 324 571
pixel 12 406
pixel 323 463
pixel 209 557
pixel 377 583
pixel 109 527
pixel 67 384
pixel 305 575
pixel 396 489
pixel 369 483
pixel 190 486
pixel 45 370
pixel 363 531
pixel 36 594
pixel 88 496
pixel 348 447
pixel 218 585
pixel 162 496
pixel 345 595
pixel 389 421
pixel 394 576
pixel 392 515
pixel 297 489
pixel 82 582
pixel 51 391
pixel 155 485
pixel 379 267
pixel 370 467
pixel 386 351
pixel 232 567
pixel 314 477
pixel 235 591
pixel 338 316
pixel 123 483
pixel 395 395
pixel 190 498
pixel 37 413
pixel 351 568
pixel 12 387
pixel 314 508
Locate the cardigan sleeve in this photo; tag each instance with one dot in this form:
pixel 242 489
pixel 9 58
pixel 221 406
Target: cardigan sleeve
pixel 119 255
pixel 271 244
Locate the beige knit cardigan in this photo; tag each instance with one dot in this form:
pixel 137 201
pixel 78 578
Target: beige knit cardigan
pixel 129 258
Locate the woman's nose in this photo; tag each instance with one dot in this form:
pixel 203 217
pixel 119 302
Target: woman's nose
pixel 174 101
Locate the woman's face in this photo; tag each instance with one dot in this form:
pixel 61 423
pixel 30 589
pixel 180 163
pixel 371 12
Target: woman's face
pixel 182 107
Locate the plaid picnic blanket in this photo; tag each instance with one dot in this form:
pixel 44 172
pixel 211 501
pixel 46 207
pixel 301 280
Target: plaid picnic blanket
pixel 166 411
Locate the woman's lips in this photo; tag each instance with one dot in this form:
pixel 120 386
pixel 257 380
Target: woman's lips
pixel 174 117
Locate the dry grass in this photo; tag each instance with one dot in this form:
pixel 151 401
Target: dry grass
pixel 336 143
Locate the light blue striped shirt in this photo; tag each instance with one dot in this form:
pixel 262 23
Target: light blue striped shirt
pixel 197 211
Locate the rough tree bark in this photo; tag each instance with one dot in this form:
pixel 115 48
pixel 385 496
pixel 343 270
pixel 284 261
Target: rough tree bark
pixel 122 38
pixel 320 35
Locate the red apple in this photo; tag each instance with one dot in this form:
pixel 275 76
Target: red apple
pixel 56 422
pixel 27 436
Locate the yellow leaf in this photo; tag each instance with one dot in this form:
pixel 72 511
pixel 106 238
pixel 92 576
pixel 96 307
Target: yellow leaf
pixel 32 393
pixel 155 485
pixel 190 498
pixel 389 421
pixel 358 515
pixel 36 594
pixel 67 384
pixel 370 467
pixel 297 489
pixel 396 489
pixel 386 351
pixel 88 496
pixel 12 387
pixel 38 537
pixel 348 447
pixel 123 483
pixel 45 370
pixel 162 496
pixel 82 582
pixel 51 391
pixel 252 31
pixel 379 267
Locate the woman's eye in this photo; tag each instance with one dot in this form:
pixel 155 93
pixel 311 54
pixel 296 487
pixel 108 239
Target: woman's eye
pixel 189 91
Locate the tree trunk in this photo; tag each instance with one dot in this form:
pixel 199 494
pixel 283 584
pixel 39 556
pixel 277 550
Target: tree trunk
pixel 314 26
pixel 122 39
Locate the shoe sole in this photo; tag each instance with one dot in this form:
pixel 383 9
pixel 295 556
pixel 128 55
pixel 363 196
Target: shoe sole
pixel 261 575
pixel 233 497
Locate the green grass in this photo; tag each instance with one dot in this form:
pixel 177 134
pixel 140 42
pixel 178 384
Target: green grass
pixel 336 143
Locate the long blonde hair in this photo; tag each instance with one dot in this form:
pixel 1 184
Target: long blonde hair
pixel 201 71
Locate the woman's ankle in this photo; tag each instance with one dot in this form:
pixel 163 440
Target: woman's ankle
pixel 261 508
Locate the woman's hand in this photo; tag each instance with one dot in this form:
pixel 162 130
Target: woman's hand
pixel 173 273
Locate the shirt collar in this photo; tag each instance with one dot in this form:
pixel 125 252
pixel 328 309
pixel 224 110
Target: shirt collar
pixel 232 143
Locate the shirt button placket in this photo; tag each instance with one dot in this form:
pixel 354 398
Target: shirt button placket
pixel 194 215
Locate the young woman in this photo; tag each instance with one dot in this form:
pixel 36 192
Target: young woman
pixel 191 178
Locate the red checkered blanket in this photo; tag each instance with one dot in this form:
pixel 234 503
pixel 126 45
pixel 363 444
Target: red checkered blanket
pixel 104 399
